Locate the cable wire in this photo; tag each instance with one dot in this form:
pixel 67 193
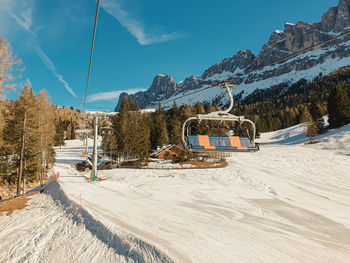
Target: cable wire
pixel 91 53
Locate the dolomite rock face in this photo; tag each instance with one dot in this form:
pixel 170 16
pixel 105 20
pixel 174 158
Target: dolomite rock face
pixel 282 43
pixel 163 86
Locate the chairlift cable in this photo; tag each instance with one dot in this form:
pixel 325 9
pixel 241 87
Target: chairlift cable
pixel 91 53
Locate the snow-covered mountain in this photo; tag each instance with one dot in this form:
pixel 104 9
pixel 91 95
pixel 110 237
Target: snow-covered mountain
pixel 295 37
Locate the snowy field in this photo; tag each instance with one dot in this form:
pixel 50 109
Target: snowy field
pixel 289 202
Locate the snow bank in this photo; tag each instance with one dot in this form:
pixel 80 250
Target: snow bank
pixel 289 136
pixel 336 140
pixel 55 229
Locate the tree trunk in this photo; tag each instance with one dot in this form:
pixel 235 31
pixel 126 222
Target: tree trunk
pixel 23 178
pixel 19 179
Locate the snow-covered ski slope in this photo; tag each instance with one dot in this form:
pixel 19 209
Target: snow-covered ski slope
pixel 288 202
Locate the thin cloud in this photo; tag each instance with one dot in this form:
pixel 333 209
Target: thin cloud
pixel 110 95
pixel 48 63
pixel 24 19
pixel 135 27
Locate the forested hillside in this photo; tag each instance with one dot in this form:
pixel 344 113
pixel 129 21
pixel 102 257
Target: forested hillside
pixel 282 106
pixel 29 129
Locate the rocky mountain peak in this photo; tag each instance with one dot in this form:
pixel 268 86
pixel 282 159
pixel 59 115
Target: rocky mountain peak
pixel 163 84
pixel 303 35
pixel 233 64
pixel 329 19
pixel 276 37
pixel 336 19
pixel 343 15
pixel 343 8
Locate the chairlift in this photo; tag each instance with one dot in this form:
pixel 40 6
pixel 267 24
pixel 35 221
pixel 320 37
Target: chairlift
pixel 229 143
pixel 106 131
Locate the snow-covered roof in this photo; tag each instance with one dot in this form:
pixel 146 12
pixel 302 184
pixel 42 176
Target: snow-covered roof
pixel 161 149
pixel 155 153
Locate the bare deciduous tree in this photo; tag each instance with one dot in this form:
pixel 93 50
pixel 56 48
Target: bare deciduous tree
pixel 9 67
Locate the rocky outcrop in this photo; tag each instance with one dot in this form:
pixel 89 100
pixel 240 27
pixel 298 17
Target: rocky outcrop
pixel 163 87
pixel 236 63
pixel 293 38
pixel 343 16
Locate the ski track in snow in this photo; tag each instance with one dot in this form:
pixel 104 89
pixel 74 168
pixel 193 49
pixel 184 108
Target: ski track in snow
pixel 289 202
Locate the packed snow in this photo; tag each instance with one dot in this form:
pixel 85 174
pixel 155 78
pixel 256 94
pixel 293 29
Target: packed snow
pixel 289 202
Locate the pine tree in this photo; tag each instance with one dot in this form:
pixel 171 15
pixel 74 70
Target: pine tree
pixel 21 137
pixel 109 146
pixel 261 125
pixel 73 135
pixel 132 133
pixel 159 129
pixel 59 136
pixel 136 106
pixel 175 126
pixel 338 107
pixel 305 115
pixel 310 124
pixel 121 125
pixel 199 109
pixel 142 136
pixel 69 132
pixel 46 133
pixel 316 110
pixel 7 164
pixel 187 111
pixel 3 107
pixel 175 111
pixel 312 130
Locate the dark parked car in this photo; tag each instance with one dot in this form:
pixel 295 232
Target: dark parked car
pixel 107 165
pixel 84 166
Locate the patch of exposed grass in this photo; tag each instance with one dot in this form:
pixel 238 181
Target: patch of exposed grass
pixel 15 204
pixel 313 142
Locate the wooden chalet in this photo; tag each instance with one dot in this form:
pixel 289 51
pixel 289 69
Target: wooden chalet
pixel 171 151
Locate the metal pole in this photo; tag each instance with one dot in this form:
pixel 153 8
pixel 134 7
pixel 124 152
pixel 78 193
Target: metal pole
pixel 86 145
pixel 227 85
pixel 95 148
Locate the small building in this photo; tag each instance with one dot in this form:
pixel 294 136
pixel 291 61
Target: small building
pixel 169 151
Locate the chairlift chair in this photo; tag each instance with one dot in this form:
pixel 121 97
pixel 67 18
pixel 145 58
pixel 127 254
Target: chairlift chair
pixel 210 143
pixel 106 131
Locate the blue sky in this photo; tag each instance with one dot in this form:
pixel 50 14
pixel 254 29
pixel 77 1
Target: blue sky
pixel 136 40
